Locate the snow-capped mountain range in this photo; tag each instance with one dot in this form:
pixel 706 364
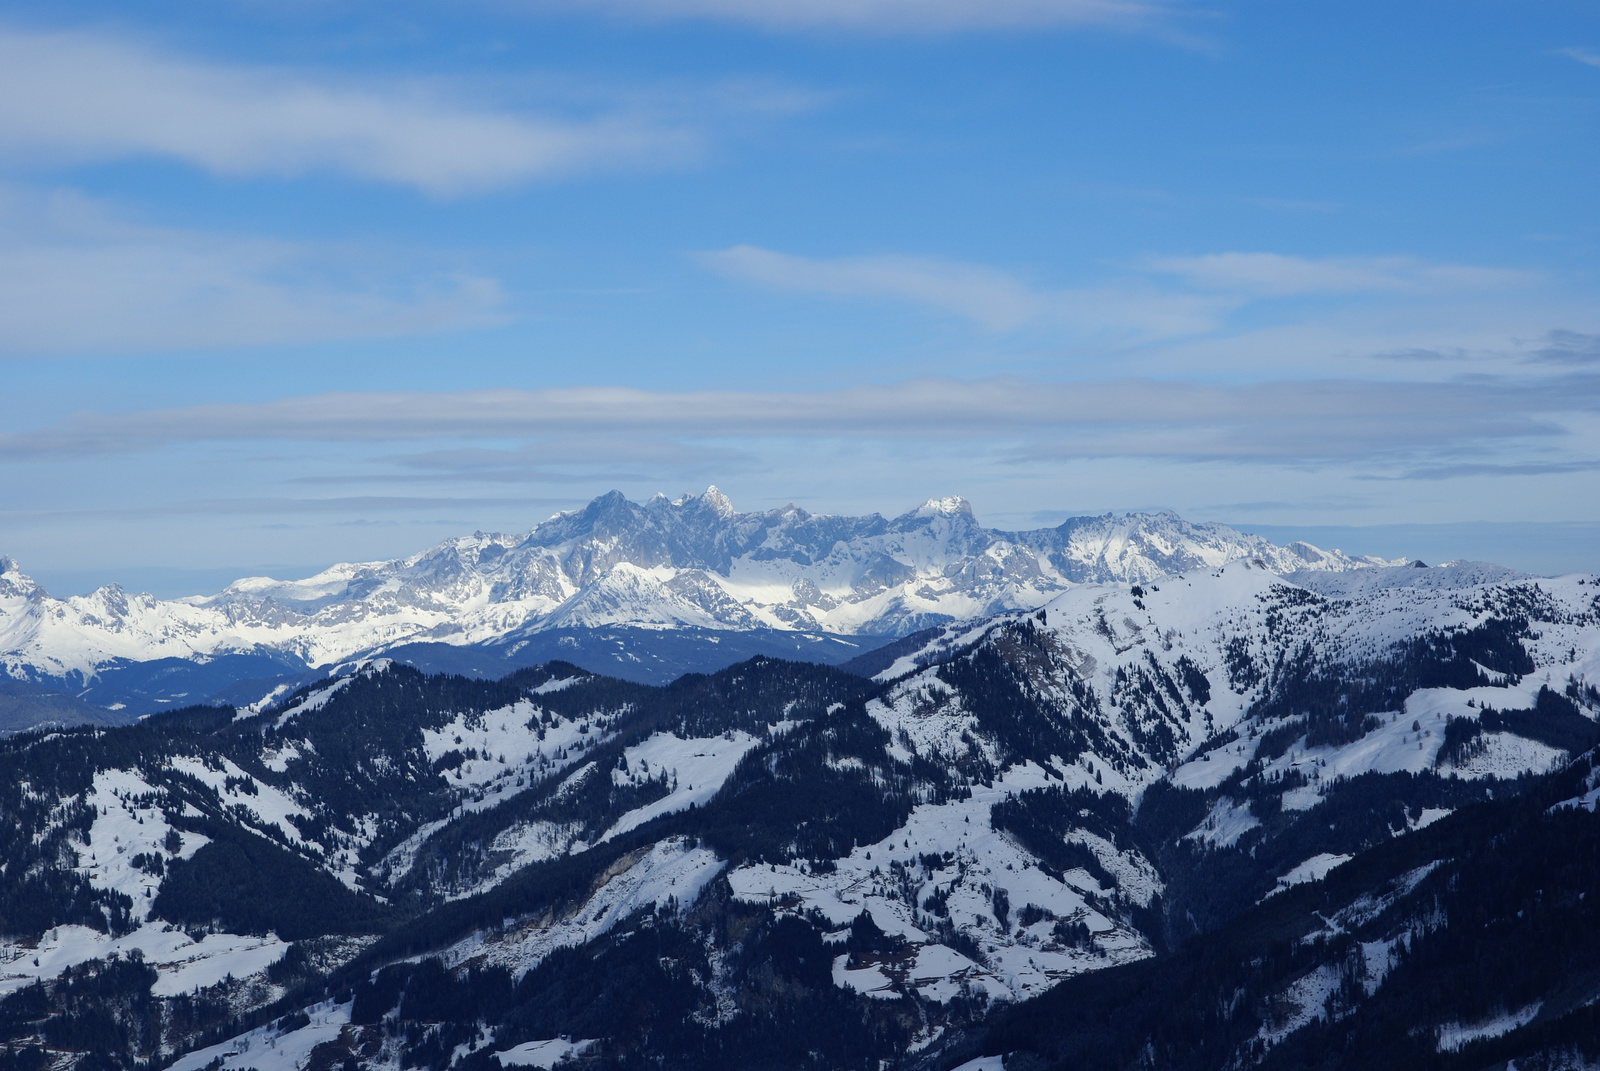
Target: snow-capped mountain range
pixel 689 563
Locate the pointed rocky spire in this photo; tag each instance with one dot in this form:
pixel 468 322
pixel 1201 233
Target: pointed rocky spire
pixel 717 501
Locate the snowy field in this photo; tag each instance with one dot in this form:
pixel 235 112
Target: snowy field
pixel 1020 961
pixel 182 963
pixel 269 1049
pixel 695 770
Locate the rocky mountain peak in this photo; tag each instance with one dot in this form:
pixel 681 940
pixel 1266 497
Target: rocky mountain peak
pixel 716 502
pixel 951 506
pixel 690 563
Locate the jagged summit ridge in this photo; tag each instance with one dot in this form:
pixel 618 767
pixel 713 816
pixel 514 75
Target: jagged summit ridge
pixel 689 562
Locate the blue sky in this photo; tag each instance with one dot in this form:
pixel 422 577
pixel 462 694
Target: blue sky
pixel 286 284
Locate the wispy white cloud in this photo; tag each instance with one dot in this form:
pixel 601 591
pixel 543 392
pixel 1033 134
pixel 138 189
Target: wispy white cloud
pixel 273 506
pixel 1162 298
pixel 1277 422
pixel 1568 347
pixel 988 296
pixel 898 16
pixel 70 97
pixel 1582 55
pixel 76 278
pixel 1458 471
pixel 994 299
pixel 1275 274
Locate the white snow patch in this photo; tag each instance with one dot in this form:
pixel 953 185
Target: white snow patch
pixel 1378 957
pixel 1507 755
pixel 1431 815
pixel 1227 822
pixel 183 964
pixel 316 699
pixel 1394 746
pixel 1590 798
pixel 1453 1036
pixel 543 1054
pixel 1314 869
pixel 265 1049
pixel 868 981
pixel 973 855
pixel 667 872
pixel 572 780
pixel 528 843
pixel 265 702
pixel 1445 702
pixel 509 747
pixel 1215 766
pixel 278 761
pixel 695 768
pixel 128 822
pixel 1303 1002
pixel 268 805
pixel 1369 906
pixel 558 685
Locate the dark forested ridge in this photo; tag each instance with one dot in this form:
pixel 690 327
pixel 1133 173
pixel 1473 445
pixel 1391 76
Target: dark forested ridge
pixel 1463 945
pixel 1086 837
pixel 122 690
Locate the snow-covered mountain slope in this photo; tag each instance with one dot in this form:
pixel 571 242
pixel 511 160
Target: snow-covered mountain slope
pixel 1163 668
pixel 1252 706
pixel 780 848
pixel 692 563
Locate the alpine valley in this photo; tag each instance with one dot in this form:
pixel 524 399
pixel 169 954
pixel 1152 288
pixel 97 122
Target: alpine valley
pixel 1125 793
